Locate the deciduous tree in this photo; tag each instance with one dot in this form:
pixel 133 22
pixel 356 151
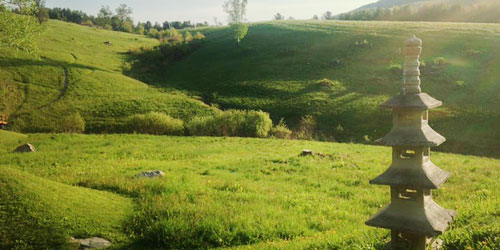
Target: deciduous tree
pixel 236 11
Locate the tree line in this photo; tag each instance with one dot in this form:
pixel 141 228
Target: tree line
pixel 119 20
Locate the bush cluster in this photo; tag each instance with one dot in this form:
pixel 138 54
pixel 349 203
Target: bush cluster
pixel 155 123
pixel 440 61
pixel 305 129
pixel 72 124
pixel 243 123
pixel 280 131
pixel 174 47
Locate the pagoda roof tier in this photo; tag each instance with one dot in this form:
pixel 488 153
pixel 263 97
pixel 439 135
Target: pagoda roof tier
pixel 430 220
pixel 423 136
pixel 420 101
pixel 427 176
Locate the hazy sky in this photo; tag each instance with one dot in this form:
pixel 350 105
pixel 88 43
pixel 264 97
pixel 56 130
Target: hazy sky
pixel 206 10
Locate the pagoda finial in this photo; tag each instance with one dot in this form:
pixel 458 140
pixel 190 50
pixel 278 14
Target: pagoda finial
pixel 412 66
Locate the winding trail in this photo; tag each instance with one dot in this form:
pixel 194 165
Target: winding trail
pixel 66 83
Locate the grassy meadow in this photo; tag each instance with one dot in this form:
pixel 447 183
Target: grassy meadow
pixel 221 193
pixel 336 71
pixel 231 192
pixel 78 72
pixel 281 66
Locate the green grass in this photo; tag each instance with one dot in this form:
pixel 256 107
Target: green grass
pixel 77 72
pixel 42 214
pixel 280 64
pixel 279 68
pixel 11 138
pixel 230 192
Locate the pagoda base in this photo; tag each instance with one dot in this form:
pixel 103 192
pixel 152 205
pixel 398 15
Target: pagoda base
pixel 405 241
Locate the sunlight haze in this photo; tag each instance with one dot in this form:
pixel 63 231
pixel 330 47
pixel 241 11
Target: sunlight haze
pixel 200 10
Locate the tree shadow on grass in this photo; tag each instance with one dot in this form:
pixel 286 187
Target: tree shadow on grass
pixel 20 62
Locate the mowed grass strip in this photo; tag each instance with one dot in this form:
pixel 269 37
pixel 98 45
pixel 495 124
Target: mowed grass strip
pixel 257 193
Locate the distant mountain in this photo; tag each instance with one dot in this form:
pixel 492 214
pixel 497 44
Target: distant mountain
pixel 394 3
pixel 391 3
pixel 472 11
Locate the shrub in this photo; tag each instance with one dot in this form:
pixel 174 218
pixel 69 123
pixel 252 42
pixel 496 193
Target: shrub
pixel 232 123
pixel 422 64
pixel 88 22
pixel 472 52
pixel 72 124
pixel 202 126
pixel 172 52
pixel 281 131
pixel 256 124
pixel 440 61
pixel 153 33
pixel 460 84
pixel 199 36
pixel 188 37
pixel 155 123
pixel 326 83
pixel 395 69
pixel 305 128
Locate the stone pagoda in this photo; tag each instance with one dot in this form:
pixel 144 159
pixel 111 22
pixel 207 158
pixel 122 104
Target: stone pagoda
pixel 412 216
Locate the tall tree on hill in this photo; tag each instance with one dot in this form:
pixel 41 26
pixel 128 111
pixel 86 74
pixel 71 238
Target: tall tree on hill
pixel 158 26
pixel 166 25
pixel 139 29
pixel 279 17
pixel 148 26
pixel 122 20
pixel 104 17
pixel 41 12
pixel 236 11
pixel 328 15
pixel 124 13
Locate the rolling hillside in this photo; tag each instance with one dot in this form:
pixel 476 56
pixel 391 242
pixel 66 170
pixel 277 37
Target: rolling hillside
pixel 78 72
pixel 281 66
pixel 338 72
pixel 221 193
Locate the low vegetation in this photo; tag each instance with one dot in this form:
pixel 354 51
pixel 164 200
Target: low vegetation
pixel 37 213
pixel 232 123
pixel 235 193
pixel 339 72
pixel 155 123
pixel 80 71
pixel 72 124
pixel 281 131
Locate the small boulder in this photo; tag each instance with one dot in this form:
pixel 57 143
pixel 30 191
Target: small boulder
pixel 306 152
pixel 151 174
pixel 26 148
pixel 91 243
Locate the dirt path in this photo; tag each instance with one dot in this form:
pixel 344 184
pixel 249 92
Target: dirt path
pixel 65 84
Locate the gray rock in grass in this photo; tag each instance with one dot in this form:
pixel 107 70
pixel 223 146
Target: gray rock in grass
pixel 91 243
pixel 151 174
pixel 26 148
